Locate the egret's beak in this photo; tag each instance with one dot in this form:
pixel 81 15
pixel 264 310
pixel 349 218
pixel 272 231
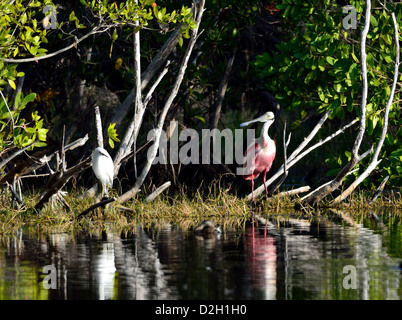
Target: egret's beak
pixel 263 118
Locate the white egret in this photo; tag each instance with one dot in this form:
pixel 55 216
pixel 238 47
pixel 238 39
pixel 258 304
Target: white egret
pixel 102 165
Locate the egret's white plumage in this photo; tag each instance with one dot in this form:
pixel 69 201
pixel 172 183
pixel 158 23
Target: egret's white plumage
pixel 102 165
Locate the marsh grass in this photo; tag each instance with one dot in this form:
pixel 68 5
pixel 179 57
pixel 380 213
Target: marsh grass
pixel 185 210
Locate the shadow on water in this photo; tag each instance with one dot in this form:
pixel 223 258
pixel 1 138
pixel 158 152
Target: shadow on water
pixel 284 258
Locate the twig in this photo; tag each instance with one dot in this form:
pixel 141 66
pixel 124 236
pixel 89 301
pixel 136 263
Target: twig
pixel 156 83
pixel 15 194
pixel 329 182
pixel 49 55
pixel 379 190
pixel 38 160
pixel 138 105
pixel 15 154
pixel 285 159
pixel 62 151
pixel 11 115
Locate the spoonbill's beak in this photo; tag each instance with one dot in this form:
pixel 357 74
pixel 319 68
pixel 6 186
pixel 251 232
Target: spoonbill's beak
pixel 264 118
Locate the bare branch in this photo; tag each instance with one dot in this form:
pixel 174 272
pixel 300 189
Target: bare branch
pixel 221 91
pixel 96 205
pixel 158 191
pixel 374 161
pixel 317 196
pixel 49 55
pixel 98 124
pixel 293 192
pixel 152 154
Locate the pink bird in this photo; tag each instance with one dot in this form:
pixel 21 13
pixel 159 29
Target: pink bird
pixel 261 153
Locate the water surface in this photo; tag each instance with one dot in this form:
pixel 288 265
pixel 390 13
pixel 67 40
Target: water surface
pixel 296 259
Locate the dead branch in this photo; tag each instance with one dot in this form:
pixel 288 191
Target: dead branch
pixel 60 180
pixel 318 195
pixel 15 154
pixel 379 190
pixel 293 192
pixel 179 78
pixel 285 159
pixel 147 75
pixel 37 161
pixel 158 191
pixel 15 194
pixel 374 161
pixel 221 92
pixel 96 205
pixel 98 125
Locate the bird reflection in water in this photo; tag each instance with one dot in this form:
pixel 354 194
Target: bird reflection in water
pixel 261 262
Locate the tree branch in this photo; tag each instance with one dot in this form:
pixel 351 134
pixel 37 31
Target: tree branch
pixel 317 196
pixel 153 149
pixel 50 55
pixel 374 161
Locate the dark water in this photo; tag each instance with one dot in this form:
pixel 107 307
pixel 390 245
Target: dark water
pixel 298 260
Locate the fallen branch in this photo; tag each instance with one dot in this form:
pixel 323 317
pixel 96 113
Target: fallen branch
pixel 158 191
pixel 293 192
pixel 96 205
pixel 37 161
pixel 15 194
pixel 59 181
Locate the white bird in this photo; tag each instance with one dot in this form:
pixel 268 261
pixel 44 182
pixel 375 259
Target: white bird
pixel 102 165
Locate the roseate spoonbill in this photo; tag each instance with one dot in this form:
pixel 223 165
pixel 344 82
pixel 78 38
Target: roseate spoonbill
pixel 261 153
pixel 102 164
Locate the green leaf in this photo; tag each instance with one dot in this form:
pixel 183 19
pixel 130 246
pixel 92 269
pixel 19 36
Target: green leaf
pixel 72 16
pixel 24 18
pixel 40 144
pixel 309 77
pixel 111 143
pixel 114 35
pixel 373 21
pixel 340 113
pixel 330 60
pixel 42 134
pixel 321 64
pixel 12 84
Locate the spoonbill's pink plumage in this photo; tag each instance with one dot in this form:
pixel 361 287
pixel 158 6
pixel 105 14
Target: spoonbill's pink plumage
pixel 261 153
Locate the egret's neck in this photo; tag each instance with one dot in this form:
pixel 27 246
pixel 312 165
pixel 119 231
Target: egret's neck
pixel 264 130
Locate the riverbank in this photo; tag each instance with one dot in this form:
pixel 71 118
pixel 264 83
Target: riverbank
pixel 186 212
